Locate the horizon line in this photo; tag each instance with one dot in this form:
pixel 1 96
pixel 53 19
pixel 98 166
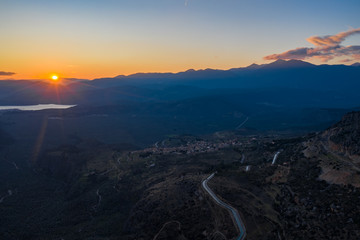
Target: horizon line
pixel 166 72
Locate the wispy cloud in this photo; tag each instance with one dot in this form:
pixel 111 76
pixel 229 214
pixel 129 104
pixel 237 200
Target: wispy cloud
pixel 2 73
pixel 186 3
pixel 332 40
pixel 326 48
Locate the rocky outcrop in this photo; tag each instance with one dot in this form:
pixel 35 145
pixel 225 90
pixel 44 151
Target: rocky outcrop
pixel 338 151
pixel 344 137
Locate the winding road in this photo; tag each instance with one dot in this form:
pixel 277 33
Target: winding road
pixel 241 124
pixel 235 214
pixel 275 157
pixel 95 207
pixel 9 193
pixel 242 158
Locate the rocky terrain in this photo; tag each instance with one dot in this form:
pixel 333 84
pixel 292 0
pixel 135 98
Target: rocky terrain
pixel 338 148
pixel 92 190
pixel 344 137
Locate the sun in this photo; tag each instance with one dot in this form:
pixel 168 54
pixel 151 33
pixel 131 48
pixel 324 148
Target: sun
pixel 54 77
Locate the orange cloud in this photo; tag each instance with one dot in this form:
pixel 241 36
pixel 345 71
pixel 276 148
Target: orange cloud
pixel 323 53
pixel 332 40
pixel 326 48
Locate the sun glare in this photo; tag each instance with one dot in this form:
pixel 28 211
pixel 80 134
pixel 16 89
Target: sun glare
pixel 54 77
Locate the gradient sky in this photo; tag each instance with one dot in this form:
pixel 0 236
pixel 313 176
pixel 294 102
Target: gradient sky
pixel 105 38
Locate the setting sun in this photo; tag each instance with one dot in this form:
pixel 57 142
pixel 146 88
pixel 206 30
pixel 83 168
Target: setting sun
pixel 54 77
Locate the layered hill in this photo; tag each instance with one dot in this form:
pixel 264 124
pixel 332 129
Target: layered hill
pixel 281 95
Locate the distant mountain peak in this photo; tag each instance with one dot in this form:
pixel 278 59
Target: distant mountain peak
pixel 357 64
pixel 280 61
pixel 254 66
pixel 293 63
pixel 120 76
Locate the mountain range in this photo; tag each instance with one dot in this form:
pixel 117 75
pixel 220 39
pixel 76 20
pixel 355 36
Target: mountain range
pixel 277 96
pixel 293 75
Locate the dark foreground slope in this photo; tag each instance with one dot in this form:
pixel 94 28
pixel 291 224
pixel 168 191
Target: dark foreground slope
pixel 91 190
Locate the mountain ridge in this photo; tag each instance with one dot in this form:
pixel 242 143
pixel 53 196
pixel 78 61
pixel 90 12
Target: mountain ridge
pixel 278 64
